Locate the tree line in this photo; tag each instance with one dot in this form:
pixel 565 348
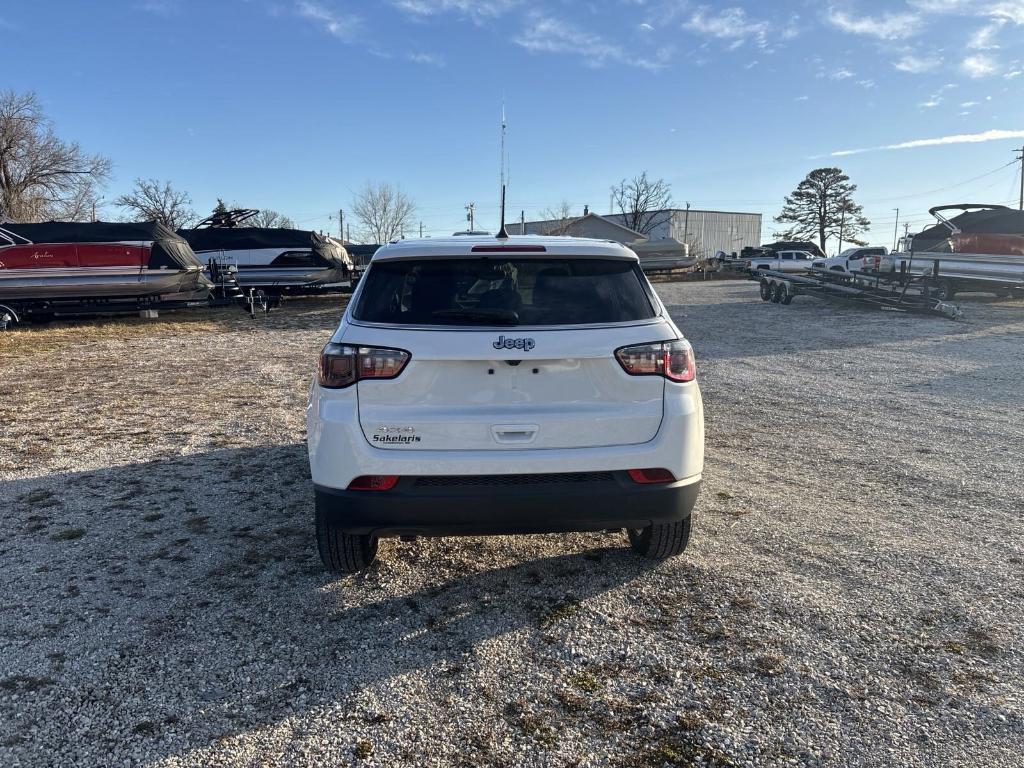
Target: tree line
pixel 43 177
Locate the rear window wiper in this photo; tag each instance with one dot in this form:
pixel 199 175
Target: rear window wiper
pixel 491 316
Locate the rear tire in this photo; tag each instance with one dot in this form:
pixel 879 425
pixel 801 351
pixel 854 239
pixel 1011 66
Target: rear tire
pixel 777 292
pixel 766 290
pixel 662 540
pixel 343 552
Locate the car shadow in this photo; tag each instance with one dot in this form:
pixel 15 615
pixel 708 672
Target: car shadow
pixel 170 604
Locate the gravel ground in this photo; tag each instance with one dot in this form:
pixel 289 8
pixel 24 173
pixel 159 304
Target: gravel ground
pixel 852 593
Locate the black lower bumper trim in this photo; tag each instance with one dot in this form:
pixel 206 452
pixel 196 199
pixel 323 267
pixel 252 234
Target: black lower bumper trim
pixel 614 501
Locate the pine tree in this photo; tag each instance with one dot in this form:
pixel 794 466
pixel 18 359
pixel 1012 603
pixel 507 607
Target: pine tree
pixel 820 207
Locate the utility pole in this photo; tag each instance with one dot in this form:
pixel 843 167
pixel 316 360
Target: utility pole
pixel 421 230
pixel 896 229
pixel 522 222
pixel 341 224
pixel 348 233
pixel 1021 158
pixel 471 212
pixel 686 224
pixel 842 225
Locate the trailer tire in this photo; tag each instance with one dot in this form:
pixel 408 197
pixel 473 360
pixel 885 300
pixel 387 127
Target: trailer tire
pixel 787 294
pixel 8 317
pixel 766 289
pixel 944 290
pixel 777 292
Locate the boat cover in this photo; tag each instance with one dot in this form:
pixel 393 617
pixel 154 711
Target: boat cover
pixel 169 250
pixel 997 220
pixel 252 238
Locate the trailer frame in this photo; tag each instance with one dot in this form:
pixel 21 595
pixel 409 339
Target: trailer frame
pixel 903 294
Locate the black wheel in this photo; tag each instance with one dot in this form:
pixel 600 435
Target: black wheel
pixel 662 540
pixel 343 552
pixel 787 295
pixel 944 291
pixel 777 291
pixel 8 318
pixel 766 290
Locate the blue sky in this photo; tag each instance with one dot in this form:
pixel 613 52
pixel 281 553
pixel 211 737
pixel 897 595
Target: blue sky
pixel 294 104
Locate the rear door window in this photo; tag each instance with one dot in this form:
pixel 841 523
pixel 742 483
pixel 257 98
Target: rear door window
pixel 499 291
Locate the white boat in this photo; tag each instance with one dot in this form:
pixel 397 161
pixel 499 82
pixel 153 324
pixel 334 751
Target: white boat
pixel 274 260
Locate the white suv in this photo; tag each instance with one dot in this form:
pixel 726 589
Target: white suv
pixel 479 385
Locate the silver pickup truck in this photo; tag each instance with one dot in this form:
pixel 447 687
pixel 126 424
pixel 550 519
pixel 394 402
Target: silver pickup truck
pixel 782 261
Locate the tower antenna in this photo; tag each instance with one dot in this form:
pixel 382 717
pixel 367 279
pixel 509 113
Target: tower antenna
pixel 502 232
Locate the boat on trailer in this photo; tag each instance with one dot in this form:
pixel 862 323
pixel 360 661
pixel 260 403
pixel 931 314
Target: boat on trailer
pixel 980 249
pixel 275 260
pixel 90 268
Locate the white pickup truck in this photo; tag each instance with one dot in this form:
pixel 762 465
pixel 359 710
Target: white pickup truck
pixel 853 260
pixel 782 261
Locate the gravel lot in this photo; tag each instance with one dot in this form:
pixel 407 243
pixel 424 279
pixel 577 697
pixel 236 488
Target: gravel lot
pixel 852 594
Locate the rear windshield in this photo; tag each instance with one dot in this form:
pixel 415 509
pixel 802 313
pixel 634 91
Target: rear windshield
pixel 498 291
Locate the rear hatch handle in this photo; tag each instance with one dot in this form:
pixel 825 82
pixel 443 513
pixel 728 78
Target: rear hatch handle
pixel 514 433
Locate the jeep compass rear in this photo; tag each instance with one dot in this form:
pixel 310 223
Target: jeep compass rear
pixel 496 386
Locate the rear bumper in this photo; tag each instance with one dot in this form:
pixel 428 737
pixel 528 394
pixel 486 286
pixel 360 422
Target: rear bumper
pixel 411 508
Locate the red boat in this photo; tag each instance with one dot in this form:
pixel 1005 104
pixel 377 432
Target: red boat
pixel 70 268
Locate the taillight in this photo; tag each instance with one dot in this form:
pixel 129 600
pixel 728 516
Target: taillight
pixel 373 483
pixel 652 475
pixel 671 359
pixel 342 365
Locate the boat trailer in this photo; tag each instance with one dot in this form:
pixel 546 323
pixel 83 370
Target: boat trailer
pixel 874 289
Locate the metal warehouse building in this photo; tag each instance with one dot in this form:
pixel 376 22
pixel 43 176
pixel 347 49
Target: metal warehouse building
pixel 707 231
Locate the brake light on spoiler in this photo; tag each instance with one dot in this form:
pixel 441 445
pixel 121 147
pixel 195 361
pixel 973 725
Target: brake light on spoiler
pixel 342 365
pixel 509 249
pixel 671 359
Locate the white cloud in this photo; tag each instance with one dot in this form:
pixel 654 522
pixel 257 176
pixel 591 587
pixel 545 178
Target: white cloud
pixel 888 26
pixel 934 101
pixel 730 24
pixel 961 138
pixel 645 27
pixel 983 39
pixel 967 104
pixel 979 65
pixel 340 25
pixel 915 64
pixel 160 7
pixel 477 10
pixel 545 34
pixel 801 98
pixel 841 74
pixel 1009 10
pixel 426 58
pixel 869 83
pixel 1013 73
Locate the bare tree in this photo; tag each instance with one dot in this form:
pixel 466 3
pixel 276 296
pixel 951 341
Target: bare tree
pixel 642 202
pixel 151 200
pixel 40 173
pixel 557 219
pixel 384 211
pixel 821 207
pixel 81 204
pixel 269 219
